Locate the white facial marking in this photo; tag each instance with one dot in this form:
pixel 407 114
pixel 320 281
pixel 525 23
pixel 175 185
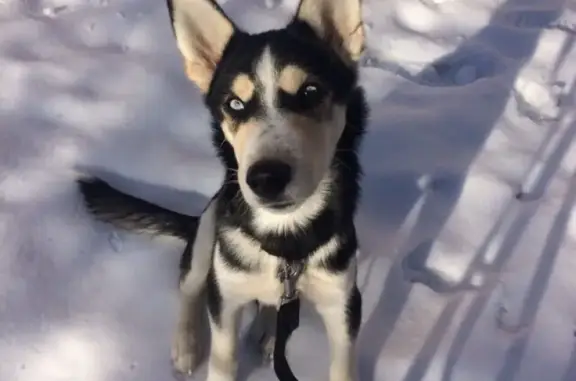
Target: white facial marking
pixel 268 76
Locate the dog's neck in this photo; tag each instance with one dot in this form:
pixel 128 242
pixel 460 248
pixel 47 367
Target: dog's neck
pixel 298 234
pixel 328 212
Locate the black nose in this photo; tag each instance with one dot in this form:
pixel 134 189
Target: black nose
pixel 269 178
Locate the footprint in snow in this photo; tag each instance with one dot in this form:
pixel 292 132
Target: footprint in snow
pixel 418 17
pixel 54 11
pixel 115 241
pixel 537 101
pixel 529 18
pixel 463 69
pixel 415 270
pixel 271 4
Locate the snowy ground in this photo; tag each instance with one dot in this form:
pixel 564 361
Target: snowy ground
pixel 467 222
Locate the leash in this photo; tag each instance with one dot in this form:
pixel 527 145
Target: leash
pixel 288 318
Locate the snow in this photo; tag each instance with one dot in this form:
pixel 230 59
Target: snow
pixel 467 223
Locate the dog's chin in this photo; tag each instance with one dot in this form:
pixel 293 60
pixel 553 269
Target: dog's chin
pixel 287 203
pixel 280 207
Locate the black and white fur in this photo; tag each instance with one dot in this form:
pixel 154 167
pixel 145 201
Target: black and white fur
pixel 288 117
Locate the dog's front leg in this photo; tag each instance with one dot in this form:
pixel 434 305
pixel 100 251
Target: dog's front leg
pixel 191 336
pixel 342 321
pixel 224 326
pixel 192 331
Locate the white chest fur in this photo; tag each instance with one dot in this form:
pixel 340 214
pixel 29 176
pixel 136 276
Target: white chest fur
pixel 261 283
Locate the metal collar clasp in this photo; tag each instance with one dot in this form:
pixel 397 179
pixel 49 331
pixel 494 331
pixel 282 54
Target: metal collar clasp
pixel 289 275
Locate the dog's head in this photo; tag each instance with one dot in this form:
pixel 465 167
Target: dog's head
pixel 278 98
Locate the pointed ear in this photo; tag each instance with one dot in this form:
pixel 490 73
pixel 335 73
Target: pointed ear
pixel 338 22
pixel 202 32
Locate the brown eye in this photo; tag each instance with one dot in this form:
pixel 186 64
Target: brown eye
pixel 310 94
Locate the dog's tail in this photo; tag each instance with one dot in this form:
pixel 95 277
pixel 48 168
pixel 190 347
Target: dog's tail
pixel 131 213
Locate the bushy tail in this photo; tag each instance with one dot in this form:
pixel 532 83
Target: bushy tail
pixel 131 213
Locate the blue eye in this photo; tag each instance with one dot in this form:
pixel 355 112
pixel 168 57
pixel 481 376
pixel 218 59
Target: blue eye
pixel 235 104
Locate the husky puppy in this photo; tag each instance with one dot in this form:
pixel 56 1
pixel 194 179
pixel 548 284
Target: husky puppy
pixel 287 119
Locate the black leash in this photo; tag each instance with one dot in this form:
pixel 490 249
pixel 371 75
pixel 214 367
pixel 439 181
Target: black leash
pixel 288 319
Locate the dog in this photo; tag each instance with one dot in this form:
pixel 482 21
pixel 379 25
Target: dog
pixel 288 117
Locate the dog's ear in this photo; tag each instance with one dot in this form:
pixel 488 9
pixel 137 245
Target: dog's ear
pixel 202 32
pixel 339 22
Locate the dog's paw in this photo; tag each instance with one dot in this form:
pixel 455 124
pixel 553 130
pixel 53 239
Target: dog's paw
pixel 341 377
pixel 339 373
pixel 261 344
pixel 185 357
pixel 262 335
pixel 266 348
